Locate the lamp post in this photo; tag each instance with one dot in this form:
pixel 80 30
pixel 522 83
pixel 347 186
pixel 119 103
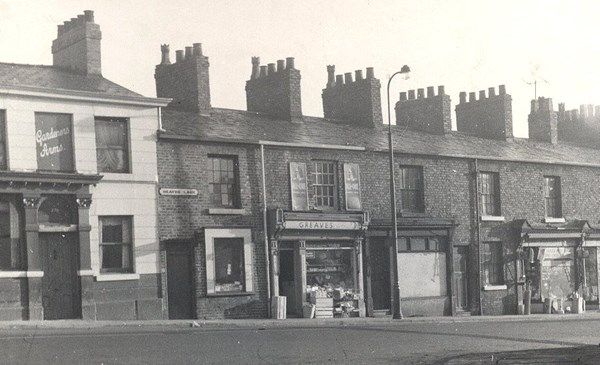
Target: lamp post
pixel 396 306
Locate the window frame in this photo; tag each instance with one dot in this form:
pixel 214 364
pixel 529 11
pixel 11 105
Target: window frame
pixel 492 263
pixel 236 193
pixel 493 194
pixel 334 186
pixel 441 245
pixel 16 225
pixel 556 208
pixel 419 190
pixel 4 139
pixel 127 145
pixel 129 220
pixel 209 246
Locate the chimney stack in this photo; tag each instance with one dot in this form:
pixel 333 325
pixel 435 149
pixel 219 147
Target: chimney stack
pixel 186 81
pixel 489 117
pixel 355 101
pixel 543 121
pixel 77 45
pixel 275 91
pixel 431 114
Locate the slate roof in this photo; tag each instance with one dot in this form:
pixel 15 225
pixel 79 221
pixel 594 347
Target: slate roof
pixel 49 77
pixel 243 126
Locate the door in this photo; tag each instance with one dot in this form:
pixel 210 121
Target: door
pixel 380 274
pixel 60 292
pixel 180 281
pixel 460 278
pixel 286 279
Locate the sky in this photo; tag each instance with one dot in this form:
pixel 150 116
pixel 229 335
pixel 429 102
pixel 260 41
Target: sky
pixel 463 45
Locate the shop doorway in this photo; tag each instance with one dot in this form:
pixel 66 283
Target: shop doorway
pixel 460 278
pixel 379 253
pixel 180 280
pixel 60 292
pixel 286 279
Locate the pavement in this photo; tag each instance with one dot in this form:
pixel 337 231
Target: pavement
pixel 291 322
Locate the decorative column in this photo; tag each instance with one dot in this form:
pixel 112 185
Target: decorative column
pixel 31 203
pixel 359 275
pixel 84 201
pixel 274 252
pixel 368 273
pixel 300 275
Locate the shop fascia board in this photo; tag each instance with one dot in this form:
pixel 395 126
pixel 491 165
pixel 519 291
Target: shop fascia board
pixel 83 96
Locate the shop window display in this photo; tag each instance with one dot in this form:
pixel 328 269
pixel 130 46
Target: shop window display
pixel 590 284
pixel 229 265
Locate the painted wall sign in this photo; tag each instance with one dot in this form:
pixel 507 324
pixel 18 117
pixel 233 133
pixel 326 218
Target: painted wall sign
pixel 326 225
pixel 352 186
pixel 54 142
pixel 177 192
pixel 298 186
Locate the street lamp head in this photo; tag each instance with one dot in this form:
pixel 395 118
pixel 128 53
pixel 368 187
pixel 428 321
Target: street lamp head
pixel 405 69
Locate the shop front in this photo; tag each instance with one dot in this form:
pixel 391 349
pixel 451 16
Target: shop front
pixel 560 266
pixel 317 262
pixel 425 269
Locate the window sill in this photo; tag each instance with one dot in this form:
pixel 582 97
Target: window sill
pixel 117 277
pixel 494 287
pixel 226 211
pixel 554 220
pixel 492 218
pixel 232 294
pixel 21 274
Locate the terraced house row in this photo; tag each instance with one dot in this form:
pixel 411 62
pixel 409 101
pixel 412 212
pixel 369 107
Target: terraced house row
pixel 119 206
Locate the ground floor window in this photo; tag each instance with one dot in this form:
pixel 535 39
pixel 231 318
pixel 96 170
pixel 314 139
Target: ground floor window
pixel 12 243
pixel 115 244
pixel 330 270
pixel 228 260
pixel 590 283
pixel 492 263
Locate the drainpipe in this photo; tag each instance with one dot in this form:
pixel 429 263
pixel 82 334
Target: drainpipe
pixel 265 234
pixel 478 235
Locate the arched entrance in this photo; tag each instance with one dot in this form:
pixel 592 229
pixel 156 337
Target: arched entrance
pixel 57 217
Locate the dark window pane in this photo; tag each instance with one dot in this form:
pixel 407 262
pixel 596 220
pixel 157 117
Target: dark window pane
pixel 492 263
pixel 112 257
pixel 223 185
pixel 552 196
pixel 403 244
pixel 116 244
pixel 411 189
pixel 324 184
pixel 489 193
pixel 229 264
pixel 418 244
pixel 112 145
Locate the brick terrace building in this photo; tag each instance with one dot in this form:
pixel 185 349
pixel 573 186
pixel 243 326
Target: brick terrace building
pixel 78 235
pixel 269 202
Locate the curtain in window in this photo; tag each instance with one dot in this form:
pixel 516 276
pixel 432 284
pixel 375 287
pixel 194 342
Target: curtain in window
pixel 111 146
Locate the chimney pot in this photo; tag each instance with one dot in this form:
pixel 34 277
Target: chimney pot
pixel 403 96
pixel 166 58
pixel 481 94
pixel 255 68
pixel 188 53
pixel 358 75
pixel 411 95
pixel 61 29
pixel 280 65
pixel 472 96
pixel 197 49
pixel 420 93
pixel 339 80
pixel 370 73
pixel 80 19
pixel 441 90
pixel 430 91
pixel 330 75
pixel 89 15
pixel 502 90
pixel 263 71
pixel 534 106
pixel 590 111
pixel 179 55
pixel 582 111
pixel 462 97
pixel 348 78
pixel 270 68
pixel 492 91
pixel 289 61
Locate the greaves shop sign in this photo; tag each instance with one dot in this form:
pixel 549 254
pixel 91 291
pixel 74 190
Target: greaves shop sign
pixel 54 142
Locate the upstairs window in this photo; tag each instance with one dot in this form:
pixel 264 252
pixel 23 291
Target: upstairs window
pixel 3 159
pixel 324 185
pixel 112 145
pixel 489 193
pixel 493 269
pixel 224 187
pixel 411 189
pixel 116 240
pixel 552 196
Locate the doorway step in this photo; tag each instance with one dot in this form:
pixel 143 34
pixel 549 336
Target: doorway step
pixel 462 313
pixel 381 313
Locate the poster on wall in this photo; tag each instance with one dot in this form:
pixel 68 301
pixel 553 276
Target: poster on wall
pixel 352 186
pixel 298 186
pixel 54 142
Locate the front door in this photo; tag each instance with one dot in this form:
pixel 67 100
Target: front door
pixel 60 292
pixel 460 277
pixel 380 274
pixel 180 281
pixel 286 279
